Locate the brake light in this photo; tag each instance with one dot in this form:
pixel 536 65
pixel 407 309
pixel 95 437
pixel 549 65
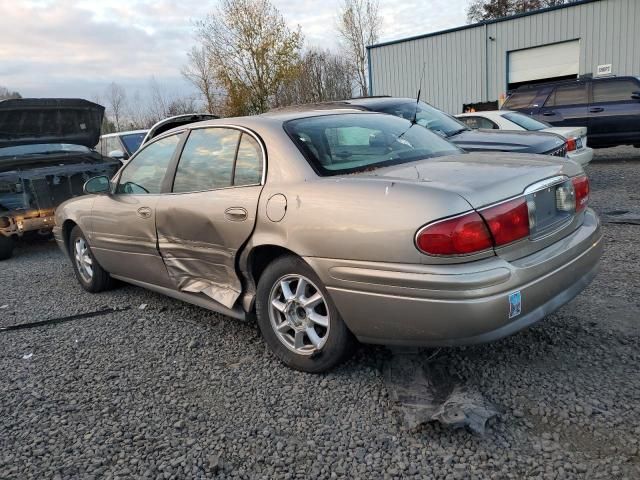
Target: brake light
pixel 581 187
pixel 508 221
pixel 571 144
pixel 455 236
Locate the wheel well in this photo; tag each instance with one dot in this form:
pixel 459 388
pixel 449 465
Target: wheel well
pixel 262 256
pixel 67 226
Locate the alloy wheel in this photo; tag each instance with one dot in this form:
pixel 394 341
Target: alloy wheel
pixel 299 314
pixel 83 259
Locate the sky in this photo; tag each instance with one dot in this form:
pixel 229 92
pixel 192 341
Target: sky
pixel 67 48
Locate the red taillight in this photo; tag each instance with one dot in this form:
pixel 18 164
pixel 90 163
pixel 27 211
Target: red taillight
pixel 571 144
pixel 455 236
pixel 581 187
pixel 508 221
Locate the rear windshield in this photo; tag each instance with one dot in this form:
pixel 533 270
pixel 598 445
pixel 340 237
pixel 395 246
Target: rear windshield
pixel 345 143
pixel 525 121
pixel 518 100
pixel 132 141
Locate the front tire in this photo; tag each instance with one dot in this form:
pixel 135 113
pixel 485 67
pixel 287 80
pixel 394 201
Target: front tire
pixel 297 318
pixel 92 277
pixel 6 247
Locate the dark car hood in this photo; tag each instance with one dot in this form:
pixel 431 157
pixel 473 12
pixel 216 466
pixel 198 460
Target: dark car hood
pixel 515 142
pixel 26 121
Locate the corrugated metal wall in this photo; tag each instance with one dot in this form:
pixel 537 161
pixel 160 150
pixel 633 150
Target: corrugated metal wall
pixel 465 66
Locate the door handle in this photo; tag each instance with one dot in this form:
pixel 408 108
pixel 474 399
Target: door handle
pixel 549 114
pixel 236 214
pixel 144 212
pixel 596 109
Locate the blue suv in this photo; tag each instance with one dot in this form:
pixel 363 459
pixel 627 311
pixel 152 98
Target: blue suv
pixel 608 107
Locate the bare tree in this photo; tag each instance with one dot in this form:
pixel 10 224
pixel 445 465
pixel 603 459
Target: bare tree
pixel 5 94
pixel 200 72
pixel 322 76
pixel 252 52
pixel 116 98
pixel 479 10
pixel 359 25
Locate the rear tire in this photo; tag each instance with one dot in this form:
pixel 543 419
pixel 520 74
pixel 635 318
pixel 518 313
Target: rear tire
pixel 6 247
pixel 297 318
pixel 92 277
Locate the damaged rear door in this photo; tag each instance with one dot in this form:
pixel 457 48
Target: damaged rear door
pixel 211 211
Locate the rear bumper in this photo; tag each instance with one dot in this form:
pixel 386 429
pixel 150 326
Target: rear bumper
pixel 446 305
pixel 582 156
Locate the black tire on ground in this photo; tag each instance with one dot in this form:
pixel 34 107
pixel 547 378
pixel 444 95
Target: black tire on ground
pixel 339 342
pixel 100 280
pixel 6 247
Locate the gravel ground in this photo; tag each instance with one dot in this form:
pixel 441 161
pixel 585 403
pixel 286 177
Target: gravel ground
pixel 174 391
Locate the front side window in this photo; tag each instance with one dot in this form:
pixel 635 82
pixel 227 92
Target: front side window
pixel 345 143
pixel 614 90
pixel 520 100
pixel 568 95
pixel 525 121
pixel 207 160
pixel 145 172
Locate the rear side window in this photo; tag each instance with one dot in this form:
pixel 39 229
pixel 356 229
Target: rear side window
pixel 478 122
pixel 207 160
pixel 518 100
pixel 145 172
pixel 248 170
pixel 614 90
pixel 568 95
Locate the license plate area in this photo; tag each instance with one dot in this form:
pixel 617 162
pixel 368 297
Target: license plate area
pixel 578 143
pixel 550 208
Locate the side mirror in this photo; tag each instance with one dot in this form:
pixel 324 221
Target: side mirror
pixel 635 95
pixel 117 154
pixel 99 184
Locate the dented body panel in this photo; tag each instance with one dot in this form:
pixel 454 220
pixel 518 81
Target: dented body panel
pixel 357 232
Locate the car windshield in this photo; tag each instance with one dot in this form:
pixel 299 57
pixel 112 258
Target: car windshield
pixel 427 116
pixel 132 141
pixel 346 143
pixel 525 121
pixel 41 148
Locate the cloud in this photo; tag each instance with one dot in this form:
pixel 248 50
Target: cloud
pixel 76 48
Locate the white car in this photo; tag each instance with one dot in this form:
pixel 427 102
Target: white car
pixel 576 137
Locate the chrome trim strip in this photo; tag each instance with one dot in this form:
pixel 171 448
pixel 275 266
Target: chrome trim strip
pixel 549 182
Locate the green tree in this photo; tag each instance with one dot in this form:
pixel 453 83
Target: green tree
pixel 251 51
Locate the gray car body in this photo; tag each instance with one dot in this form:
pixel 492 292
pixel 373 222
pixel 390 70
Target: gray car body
pixel 356 231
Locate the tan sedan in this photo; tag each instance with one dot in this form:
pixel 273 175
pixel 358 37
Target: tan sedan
pixel 329 226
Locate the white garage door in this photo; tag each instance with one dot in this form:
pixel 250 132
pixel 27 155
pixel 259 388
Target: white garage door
pixel 549 61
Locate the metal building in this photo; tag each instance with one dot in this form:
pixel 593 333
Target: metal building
pixel 481 62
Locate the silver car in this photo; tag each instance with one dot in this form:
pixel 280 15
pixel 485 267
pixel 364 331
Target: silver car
pixel 336 225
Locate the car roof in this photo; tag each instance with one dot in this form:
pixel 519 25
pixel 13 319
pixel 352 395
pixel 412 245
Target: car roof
pixel 535 86
pixel 117 134
pixel 272 118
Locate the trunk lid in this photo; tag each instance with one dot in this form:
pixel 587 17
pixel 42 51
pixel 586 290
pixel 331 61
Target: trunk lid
pixel 484 180
pixel 481 178
pixel 25 121
pixel 506 141
pixel 568 132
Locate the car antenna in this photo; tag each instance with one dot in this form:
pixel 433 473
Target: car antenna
pixel 414 120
